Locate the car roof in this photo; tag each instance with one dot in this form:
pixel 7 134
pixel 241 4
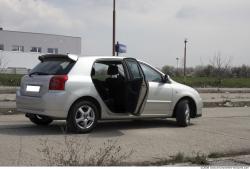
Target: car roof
pixel 101 57
pixel 92 59
pixel 76 57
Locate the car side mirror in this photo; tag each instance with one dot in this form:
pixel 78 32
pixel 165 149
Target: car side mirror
pixel 165 79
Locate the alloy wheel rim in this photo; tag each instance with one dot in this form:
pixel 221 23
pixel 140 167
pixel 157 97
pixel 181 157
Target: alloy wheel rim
pixel 85 117
pixel 39 117
pixel 187 114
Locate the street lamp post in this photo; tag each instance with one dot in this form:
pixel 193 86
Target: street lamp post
pixel 185 56
pixel 114 27
pixel 177 60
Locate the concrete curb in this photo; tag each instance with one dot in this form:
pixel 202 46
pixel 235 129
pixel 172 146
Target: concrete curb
pixel 8 89
pixel 226 104
pixel 9 111
pixel 223 90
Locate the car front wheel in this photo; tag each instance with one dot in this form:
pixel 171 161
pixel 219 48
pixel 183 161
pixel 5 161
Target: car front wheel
pixel 183 113
pixel 82 117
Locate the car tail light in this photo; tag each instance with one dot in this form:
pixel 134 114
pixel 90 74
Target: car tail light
pixel 58 82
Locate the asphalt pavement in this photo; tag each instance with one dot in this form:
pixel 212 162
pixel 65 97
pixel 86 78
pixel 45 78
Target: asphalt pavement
pixel 218 130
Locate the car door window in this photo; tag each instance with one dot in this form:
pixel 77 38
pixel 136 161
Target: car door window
pixel 100 70
pixel 150 74
pixel 135 71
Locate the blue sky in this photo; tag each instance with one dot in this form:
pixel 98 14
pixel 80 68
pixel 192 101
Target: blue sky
pixel 153 30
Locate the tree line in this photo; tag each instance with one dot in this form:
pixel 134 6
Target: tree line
pixel 210 71
pixel 218 67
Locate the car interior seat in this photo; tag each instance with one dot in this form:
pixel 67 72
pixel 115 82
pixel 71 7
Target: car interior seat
pixel 116 87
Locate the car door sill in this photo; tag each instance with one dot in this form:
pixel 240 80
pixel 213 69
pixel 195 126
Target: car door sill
pixel 136 117
pixel 158 101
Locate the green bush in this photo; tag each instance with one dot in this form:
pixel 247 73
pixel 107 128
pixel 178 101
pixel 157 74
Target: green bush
pixel 10 79
pixel 214 82
pixel 14 80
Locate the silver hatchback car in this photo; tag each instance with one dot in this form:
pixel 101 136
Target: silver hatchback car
pixel 83 90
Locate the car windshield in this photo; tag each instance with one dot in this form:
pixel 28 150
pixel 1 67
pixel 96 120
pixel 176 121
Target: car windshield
pixel 53 66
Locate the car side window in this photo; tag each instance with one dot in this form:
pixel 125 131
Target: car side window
pixel 101 72
pixel 150 74
pixel 133 66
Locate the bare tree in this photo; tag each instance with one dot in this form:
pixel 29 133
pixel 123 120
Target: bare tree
pixel 221 66
pixel 169 70
pixel 3 63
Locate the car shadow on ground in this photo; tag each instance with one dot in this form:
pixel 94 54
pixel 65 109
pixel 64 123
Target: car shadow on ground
pixel 103 129
pixel 115 128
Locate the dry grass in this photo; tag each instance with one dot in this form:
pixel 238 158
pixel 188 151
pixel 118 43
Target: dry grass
pixel 75 152
pixel 198 159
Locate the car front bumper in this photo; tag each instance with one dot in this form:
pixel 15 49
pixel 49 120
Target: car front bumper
pixel 199 107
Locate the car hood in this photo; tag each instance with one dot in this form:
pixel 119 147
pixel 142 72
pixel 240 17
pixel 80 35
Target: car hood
pixel 182 87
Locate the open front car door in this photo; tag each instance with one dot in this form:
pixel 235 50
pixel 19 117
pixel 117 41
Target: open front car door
pixel 137 87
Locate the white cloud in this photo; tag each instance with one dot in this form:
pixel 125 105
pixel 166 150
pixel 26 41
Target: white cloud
pixel 28 15
pixel 153 30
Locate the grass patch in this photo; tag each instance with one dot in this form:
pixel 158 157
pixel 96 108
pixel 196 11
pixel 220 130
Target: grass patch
pixel 228 154
pixel 199 159
pixel 178 158
pixel 14 80
pixel 214 82
pixel 215 155
pixel 10 79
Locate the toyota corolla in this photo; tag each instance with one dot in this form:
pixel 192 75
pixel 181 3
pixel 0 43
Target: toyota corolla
pixel 83 90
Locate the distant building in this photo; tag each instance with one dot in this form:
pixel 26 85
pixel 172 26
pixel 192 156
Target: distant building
pixel 21 49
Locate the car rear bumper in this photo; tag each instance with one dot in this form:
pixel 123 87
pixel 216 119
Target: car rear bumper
pixel 50 104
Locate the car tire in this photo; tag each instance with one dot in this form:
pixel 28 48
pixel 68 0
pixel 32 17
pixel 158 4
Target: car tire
pixel 183 113
pixel 82 117
pixel 40 120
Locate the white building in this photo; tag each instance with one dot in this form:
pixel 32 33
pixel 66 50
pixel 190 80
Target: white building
pixel 21 49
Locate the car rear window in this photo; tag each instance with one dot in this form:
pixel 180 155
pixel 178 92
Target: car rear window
pixel 53 66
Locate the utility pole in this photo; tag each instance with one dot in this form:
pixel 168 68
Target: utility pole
pixel 177 59
pixel 117 52
pixel 114 27
pixel 177 71
pixel 185 56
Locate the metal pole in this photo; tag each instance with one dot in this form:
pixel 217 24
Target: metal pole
pixel 114 26
pixel 185 56
pixel 117 52
pixel 177 59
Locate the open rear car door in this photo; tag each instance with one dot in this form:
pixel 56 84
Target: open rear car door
pixel 137 87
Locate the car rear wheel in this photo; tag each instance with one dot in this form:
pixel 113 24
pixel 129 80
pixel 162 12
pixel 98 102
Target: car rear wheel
pixel 82 117
pixel 183 113
pixel 40 120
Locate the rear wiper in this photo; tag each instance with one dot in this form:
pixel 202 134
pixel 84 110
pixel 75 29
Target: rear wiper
pixel 38 73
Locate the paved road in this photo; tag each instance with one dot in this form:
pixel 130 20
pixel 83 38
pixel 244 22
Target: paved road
pixel 219 130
